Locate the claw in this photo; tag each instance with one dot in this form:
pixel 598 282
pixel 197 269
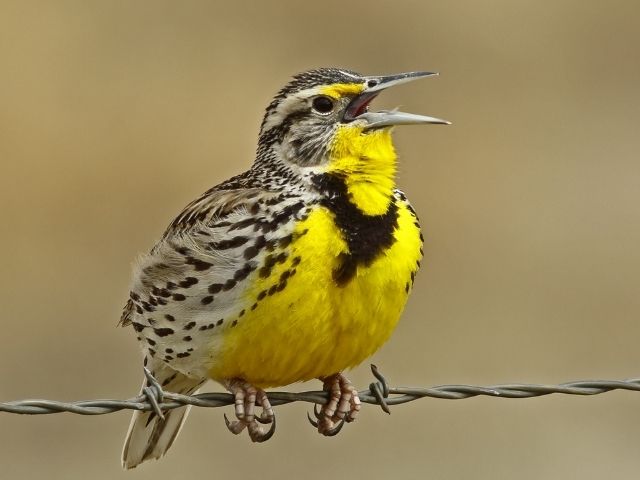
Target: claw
pixel 317 411
pixel 311 420
pixel 234 427
pixel 258 435
pixel 333 431
pixel 264 419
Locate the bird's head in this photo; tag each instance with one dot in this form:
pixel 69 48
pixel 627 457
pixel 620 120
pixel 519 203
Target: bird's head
pixel 324 110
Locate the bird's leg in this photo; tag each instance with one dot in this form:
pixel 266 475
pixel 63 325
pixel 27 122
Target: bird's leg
pixel 246 397
pixel 343 405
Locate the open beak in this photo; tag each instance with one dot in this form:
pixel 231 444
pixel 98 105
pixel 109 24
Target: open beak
pixel 358 109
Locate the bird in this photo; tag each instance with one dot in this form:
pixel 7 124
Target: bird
pixel 297 269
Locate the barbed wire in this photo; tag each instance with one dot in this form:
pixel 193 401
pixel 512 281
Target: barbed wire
pixel 378 393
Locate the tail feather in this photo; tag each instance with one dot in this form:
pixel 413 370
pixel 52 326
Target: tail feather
pixel 149 437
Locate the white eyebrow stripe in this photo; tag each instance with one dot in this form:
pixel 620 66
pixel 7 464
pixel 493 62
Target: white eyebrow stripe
pixel 349 74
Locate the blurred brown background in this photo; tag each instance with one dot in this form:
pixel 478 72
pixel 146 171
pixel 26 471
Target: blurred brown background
pixel 113 115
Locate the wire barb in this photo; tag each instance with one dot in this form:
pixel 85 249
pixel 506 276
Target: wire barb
pixel 380 389
pixel 379 393
pixel 153 392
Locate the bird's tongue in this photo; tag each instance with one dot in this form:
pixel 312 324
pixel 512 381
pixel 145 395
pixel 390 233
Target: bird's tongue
pixel 359 105
pixel 363 107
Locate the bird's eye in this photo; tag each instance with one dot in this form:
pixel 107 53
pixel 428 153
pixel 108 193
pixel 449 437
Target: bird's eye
pixel 322 104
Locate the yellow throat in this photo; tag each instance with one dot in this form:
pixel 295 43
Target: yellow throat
pixel 367 164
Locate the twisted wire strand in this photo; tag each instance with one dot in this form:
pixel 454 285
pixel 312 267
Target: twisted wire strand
pixel 379 393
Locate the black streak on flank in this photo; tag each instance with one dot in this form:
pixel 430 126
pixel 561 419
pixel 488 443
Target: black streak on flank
pixel 198 265
pixel 243 272
pixel 243 224
pixel 207 300
pixel 163 332
pixel 188 282
pixel 269 262
pixel 367 236
pixel 234 242
pixel 254 249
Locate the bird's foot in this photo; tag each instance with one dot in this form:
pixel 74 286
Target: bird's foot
pixel 246 398
pixel 343 405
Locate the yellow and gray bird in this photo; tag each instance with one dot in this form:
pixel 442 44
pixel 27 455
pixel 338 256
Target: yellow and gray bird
pixel 297 269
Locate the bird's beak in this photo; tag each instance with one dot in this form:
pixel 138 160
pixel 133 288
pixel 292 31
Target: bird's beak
pixel 358 108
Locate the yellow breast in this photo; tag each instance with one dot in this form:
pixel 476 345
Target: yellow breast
pixel 308 327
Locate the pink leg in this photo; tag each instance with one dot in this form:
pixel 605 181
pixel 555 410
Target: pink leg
pixel 343 405
pixel 246 398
